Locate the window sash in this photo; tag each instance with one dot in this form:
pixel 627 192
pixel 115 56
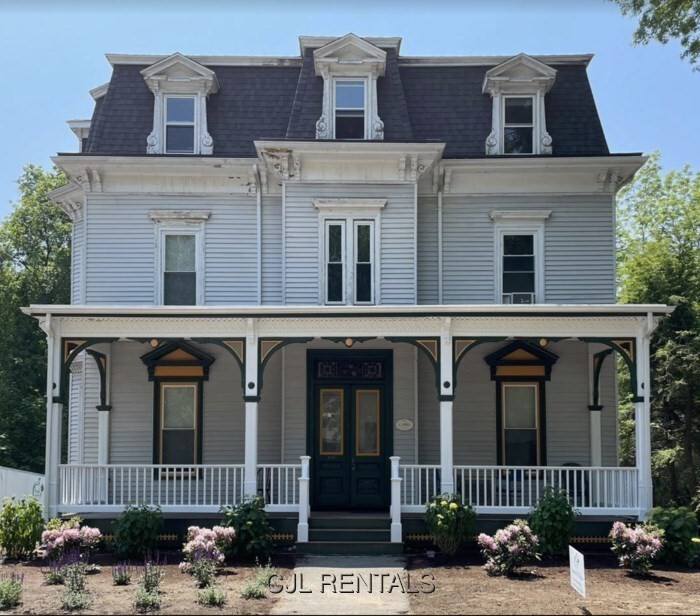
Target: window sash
pixel 180 123
pixel 347 111
pixel 171 277
pixel 508 273
pixel 355 263
pixel 173 434
pixel 336 264
pixel 363 264
pixel 528 125
pixel 509 436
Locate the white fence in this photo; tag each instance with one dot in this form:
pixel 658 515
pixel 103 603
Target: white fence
pixel 19 484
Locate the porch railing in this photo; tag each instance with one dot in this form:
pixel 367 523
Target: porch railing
pixel 202 487
pixel 516 489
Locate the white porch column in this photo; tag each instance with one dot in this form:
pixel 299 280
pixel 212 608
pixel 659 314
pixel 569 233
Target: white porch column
pixel 642 420
pixel 303 525
pixel 251 398
pixel 446 401
pixel 103 414
pixel 54 411
pixel 396 530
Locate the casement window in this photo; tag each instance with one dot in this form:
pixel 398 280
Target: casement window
pixel 179 269
pixel 349 108
pixel 518 124
pixel 349 262
pixel 520 423
pixel 180 124
pixel 518 268
pixel 179 424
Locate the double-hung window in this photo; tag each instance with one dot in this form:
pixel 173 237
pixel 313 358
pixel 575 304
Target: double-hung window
pixel 349 108
pixel 520 421
pixel 518 268
pixel 180 269
pixel 178 421
pixel 180 124
pixel 349 262
pixel 518 125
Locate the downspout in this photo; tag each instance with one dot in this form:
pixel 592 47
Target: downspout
pixel 258 204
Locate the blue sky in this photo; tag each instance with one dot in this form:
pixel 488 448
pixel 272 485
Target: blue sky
pixel 50 57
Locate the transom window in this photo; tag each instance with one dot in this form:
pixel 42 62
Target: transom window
pixel 518 125
pixel 350 268
pixel 180 270
pixel 349 96
pixel 178 420
pixel 520 424
pixel 518 269
pixel 179 124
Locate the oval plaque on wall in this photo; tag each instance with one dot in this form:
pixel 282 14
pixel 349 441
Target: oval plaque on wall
pixel 404 425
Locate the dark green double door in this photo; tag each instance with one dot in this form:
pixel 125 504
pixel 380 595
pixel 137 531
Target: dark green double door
pixel 350 444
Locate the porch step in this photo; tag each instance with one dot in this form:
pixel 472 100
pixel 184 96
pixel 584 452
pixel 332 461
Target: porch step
pixel 347 535
pixel 349 522
pixel 343 548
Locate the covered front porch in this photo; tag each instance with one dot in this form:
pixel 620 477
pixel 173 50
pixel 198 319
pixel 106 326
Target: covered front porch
pixel 432 418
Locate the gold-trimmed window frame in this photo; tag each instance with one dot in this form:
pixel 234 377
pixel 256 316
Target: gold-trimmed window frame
pixel 538 438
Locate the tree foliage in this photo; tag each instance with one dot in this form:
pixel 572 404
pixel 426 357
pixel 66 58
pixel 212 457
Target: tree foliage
pixel 34 269
pixel 659 262
pixel 662 20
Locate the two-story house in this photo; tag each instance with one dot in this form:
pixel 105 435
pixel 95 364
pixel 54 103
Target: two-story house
pixel 345 280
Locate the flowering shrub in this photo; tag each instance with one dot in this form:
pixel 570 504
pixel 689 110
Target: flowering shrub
pixel 510 548
pixel 68 536
pixel 636 547
pixel 204 552
pixel 449 521
pixel 253 538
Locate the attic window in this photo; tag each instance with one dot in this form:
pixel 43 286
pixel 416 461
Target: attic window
pixel 518 125
pixel 349 108
pixel 179 124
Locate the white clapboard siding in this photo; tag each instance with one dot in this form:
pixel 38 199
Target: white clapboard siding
pixel 271 250
pixel 90 412
pixel 427 251
pixel 301 228
pixel 579 263
pixel 121 247
pixel 75 416
pixel 77 248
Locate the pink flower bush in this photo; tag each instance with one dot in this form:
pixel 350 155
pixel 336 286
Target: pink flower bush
pixel 510 548
pixel 206 543
pixel 636 547
pixel 69 536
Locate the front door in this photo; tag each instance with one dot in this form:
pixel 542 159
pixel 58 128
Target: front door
pixel 350 442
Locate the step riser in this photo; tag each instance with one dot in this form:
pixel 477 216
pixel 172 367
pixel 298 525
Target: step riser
pixel 347 535
pixel 349 523
pixel 345 549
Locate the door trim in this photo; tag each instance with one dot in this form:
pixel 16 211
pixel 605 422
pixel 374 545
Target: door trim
pixel 387 384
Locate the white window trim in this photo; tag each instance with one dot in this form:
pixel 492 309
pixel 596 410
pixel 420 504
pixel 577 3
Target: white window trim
pixel 194 124
pixel 349 218
pixel 174 222
pixel 534 124
pixel 366 103
pixel 524 222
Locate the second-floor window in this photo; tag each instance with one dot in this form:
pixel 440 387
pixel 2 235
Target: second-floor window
pixel 518 125
pixel 180 270
pixel 518 269
pixel 349 261
pixel 349 97
pixel 180 124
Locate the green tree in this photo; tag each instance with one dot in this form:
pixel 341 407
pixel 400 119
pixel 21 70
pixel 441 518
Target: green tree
pixel 659 262
pixel 34 269
pixel 662 20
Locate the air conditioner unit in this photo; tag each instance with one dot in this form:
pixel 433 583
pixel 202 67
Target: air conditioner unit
pixel 523 298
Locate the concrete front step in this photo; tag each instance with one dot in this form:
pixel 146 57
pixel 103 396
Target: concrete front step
pixel 349 522
pixel 328 548
pixel 345 535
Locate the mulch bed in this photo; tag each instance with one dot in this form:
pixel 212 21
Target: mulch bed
pixel 462 587
pixel 178 590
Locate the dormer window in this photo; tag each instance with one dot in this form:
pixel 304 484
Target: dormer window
pixel 180 89
pixel 518 125
pixel 518 88
pixel 179 124
pixel 349 108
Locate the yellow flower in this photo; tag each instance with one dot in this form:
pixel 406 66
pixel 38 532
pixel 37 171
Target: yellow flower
pixel 453 505
pixel 440 516
pixel 443 503
pixel 432 505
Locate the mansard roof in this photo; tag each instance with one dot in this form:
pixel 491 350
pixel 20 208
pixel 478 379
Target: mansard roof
pixel 419 100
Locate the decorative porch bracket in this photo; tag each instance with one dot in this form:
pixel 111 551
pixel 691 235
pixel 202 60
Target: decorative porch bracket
pixel 234 346
pixel 598 361
pixel 430 345
pixel 101 361
pixel 627 349
pixel 70 349
pixel 267 347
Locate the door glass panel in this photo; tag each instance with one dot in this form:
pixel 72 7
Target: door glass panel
pixel 367 422
pixel 178 424
pixel 331 422
pixel 520 424
pixel 520 407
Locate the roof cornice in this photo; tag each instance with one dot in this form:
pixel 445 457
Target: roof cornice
pixel 98 92
pixel 550 59
pixel 149 59
pixel 314 42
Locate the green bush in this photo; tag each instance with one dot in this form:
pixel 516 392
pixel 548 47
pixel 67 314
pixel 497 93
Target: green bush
pixel 73 601
pixel 136 531
pixel 212 596
pixel 256 587
pixel 21 524
pixel 146 601
pixel 74 597
pixel 11 591
pixel 253 537
pixel 449 522
pixel 552 520
pixel 680 526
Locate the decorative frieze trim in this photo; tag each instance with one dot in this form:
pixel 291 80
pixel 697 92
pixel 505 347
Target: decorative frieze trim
pixel 519 215
pixel 341 205
pixel 180 216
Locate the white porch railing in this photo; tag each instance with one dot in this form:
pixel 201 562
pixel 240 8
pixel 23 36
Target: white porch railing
pixel 204 487
pixel 515 490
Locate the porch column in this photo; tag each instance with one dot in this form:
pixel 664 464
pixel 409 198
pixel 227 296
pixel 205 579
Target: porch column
pixel 54 411
pixel 103 415
pixel 642 419
pixel 251 398
pixel 446 400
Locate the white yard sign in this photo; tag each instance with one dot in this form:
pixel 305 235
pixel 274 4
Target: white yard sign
pixel 578 573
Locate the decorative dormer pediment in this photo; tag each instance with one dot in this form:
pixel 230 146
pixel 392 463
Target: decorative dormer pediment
pixel 180 77
pixel 177 358
pixel 517 88
pixel 355 64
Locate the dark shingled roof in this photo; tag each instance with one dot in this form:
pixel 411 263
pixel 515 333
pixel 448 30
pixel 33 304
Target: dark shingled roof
pixel 421 103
